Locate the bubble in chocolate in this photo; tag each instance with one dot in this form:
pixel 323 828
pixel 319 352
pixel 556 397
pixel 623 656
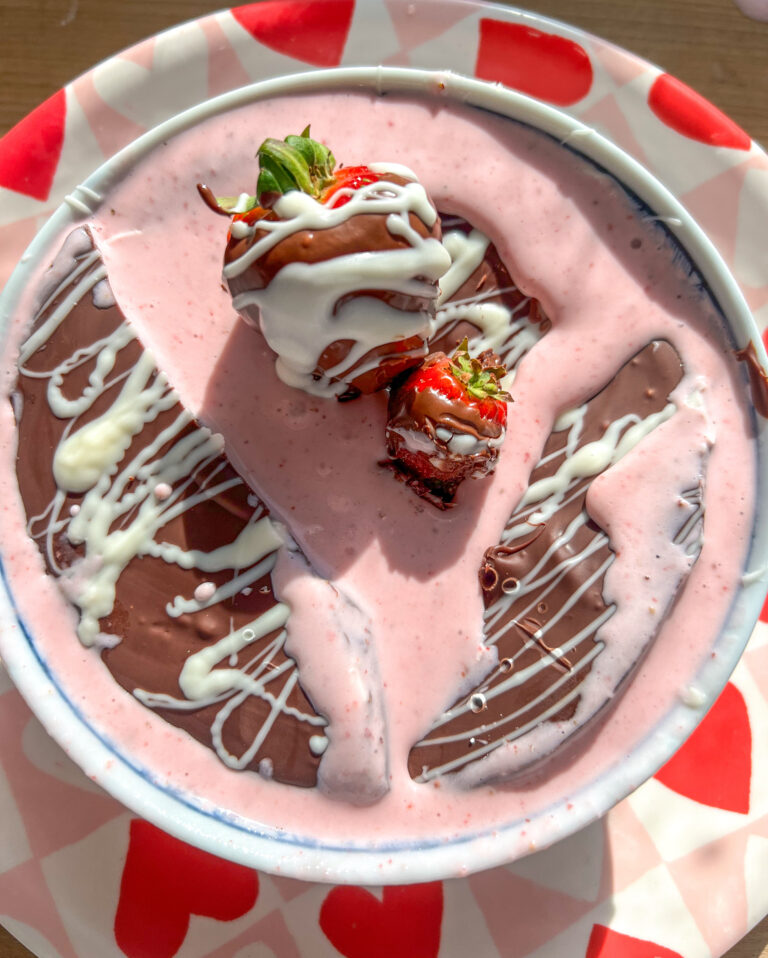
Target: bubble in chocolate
pixel 478 702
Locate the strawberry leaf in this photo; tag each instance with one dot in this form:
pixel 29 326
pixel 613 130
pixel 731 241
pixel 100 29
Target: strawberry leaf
pixel 237 204
pixel 319 158
pixel 479 375
pixel 295 163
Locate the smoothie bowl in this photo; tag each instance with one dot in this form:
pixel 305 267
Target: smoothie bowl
pixel 284 595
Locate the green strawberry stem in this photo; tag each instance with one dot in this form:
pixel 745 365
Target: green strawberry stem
pixel 295 163
pixel 479 375
pixel 226 204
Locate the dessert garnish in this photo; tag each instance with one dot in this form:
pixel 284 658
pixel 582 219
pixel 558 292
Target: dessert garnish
pixel 447 421
pixel 337 267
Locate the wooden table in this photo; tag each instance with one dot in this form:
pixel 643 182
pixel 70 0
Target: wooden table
pixel 707 43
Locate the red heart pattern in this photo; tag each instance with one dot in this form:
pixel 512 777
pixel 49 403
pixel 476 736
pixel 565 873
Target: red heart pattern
pixel 714 767
pixel 406 922
pixel 166 881
pixel 604 943
pixel 688 113
pixel 314 31
pixel 30 151
pixel 544 65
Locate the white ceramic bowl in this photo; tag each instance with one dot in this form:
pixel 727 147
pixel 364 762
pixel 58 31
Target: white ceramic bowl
pixel 191 817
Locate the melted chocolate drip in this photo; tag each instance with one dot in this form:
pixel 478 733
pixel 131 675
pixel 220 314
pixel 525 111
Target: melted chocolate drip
pixel 364 232
pixel 209 198
pixel 758 378
pixel 153 646
pixel 531 632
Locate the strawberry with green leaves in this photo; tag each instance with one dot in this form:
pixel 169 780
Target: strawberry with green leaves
pixel 296 163
pixel 447 421
pixel 301 163
pixel 357 335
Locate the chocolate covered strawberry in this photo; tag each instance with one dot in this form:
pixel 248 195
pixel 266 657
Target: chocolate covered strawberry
pixel 447 421
pixel 338 267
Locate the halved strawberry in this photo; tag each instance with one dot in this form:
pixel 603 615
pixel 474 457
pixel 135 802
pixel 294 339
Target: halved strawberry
pixel 447 421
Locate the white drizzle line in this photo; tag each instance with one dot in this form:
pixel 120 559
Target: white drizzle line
pixel 490 693
pixel 594 457
pixel 52 323
pixel 532 581
pixel 180 605
pixel 119 516
pixel 488 747
pixel 83 200
pixel 508 333
pixel 299 211
pixel 467 251
pixel 549 496
pixel 200 680
pixel 691 532
pixel 518 678
pixel 203 684
pixel 299 310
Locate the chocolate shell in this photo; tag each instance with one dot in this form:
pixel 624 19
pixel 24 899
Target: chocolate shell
pixel 543 590
pixel 164 611
pixel 361 233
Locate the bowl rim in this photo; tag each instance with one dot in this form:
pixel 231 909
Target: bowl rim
pixel 299 856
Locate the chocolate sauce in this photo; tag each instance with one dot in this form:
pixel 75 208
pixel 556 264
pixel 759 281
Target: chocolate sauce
pixel 758 378
pixel 531 632
pixel 364 232
pixel 153 646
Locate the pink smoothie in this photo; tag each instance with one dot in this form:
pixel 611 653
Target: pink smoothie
pixel 569 237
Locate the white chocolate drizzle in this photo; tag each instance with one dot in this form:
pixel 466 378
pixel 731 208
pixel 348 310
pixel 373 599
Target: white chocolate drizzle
pixel 302 310
pixel 126 502
pixel 509 333
pixel 679 539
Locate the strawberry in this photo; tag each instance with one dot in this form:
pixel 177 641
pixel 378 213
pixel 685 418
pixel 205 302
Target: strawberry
pixel 319 348
pixel 297 163
pixel 447 421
